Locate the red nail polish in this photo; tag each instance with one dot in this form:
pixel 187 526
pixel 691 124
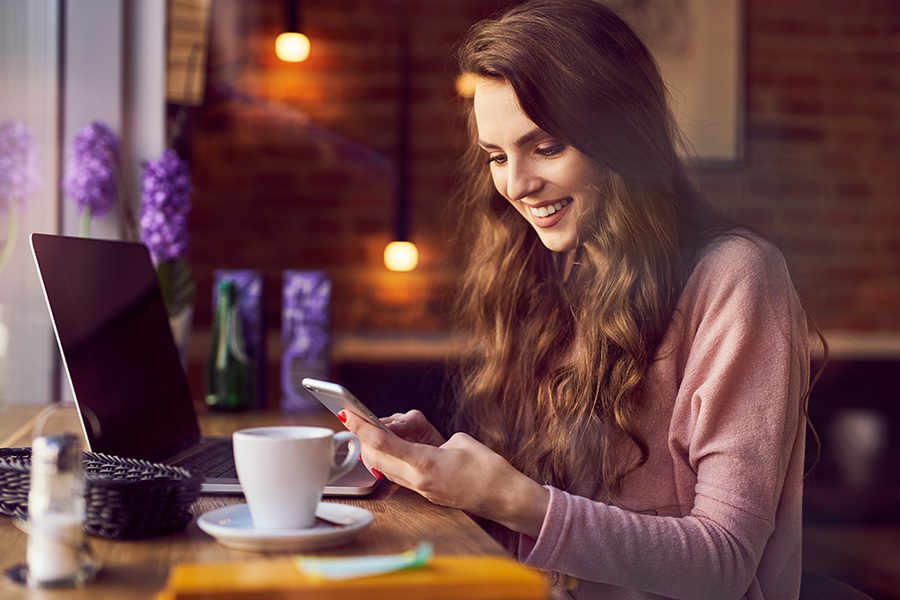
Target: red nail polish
pixel 342 416
pixel 377 474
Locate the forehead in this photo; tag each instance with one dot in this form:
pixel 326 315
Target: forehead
pixel 498 116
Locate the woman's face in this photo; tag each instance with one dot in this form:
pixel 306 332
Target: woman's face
pixel 552 185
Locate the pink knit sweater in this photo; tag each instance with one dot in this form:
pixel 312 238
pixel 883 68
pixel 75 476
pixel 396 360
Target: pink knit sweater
pixel 726 433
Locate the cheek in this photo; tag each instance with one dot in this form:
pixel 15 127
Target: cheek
pixel 519 208
pixel 590 187
pixel 499 183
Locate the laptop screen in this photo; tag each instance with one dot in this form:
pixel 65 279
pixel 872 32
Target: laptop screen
pixel 117 347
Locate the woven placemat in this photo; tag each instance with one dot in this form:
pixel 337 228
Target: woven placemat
pixel 125 498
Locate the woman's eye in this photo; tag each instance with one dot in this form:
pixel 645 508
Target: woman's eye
pixel 550 150
pixel 496 158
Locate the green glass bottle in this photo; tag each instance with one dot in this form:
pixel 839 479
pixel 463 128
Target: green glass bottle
pixel 228 367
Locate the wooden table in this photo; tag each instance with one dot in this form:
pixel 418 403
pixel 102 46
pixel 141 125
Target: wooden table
pixel 138 569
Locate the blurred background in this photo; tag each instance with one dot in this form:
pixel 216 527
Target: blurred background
pixel 792 110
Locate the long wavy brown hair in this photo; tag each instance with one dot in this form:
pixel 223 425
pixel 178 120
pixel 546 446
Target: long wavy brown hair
pixel 557 354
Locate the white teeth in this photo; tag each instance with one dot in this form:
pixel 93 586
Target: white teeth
pixel 546 211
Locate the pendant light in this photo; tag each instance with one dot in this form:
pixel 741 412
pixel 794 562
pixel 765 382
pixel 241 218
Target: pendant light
pixel 292 45
pixel 401 254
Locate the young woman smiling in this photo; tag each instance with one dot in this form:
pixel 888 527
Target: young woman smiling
pixel 633 399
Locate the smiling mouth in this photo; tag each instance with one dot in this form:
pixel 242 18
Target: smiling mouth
pixel 545 211
pixel 550 214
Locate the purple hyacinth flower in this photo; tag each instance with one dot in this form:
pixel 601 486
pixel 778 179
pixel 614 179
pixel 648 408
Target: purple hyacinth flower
pixel 166 190
pixel 91 180
pixel 18 164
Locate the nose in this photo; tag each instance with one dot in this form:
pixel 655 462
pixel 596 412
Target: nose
pixel 522 180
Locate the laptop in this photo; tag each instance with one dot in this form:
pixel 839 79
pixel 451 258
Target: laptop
pixel 123 366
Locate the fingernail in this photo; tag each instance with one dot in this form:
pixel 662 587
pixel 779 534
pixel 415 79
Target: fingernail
pixel 342 416
pixel 377 474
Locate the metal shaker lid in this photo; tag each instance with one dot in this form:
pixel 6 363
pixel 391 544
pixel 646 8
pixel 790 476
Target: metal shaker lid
pixel 56 453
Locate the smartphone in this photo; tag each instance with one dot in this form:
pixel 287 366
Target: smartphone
pixel 336 398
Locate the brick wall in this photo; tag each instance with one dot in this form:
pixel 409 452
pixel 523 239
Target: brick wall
pixel 822 173
pixel 293 164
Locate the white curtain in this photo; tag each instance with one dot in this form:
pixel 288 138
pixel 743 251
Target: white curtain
pixel 29 95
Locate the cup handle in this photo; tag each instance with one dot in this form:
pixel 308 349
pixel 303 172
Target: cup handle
pixel 350 461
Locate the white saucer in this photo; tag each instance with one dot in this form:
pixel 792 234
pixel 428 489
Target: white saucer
pixel 232 527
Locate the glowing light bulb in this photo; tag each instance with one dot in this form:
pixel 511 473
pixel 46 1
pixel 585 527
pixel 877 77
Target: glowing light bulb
pixel 401 256
pixel 291 46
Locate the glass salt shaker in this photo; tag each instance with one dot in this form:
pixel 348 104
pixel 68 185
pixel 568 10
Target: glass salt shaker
pixel 56 553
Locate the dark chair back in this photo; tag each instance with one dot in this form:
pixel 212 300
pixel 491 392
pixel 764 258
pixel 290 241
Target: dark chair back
pixel 818 586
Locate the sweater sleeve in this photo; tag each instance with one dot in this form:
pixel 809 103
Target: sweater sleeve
pixel 736 414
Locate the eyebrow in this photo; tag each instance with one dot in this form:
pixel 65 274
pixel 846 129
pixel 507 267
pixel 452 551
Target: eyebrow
pixel 528 137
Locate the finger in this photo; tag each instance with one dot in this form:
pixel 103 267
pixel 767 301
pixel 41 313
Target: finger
pixel 416 415
pixel 459 440
pixel 415 420
pixel 391 418
pixel 363 457
pixel 383 465
pixel 403 428
pixel 395 424
pixel 391 455
pixel 396 429
pixel 376 439
pixel 396 470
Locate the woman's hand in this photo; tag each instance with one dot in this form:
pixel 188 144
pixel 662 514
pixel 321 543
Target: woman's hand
pixel 414 427
pixel 460 473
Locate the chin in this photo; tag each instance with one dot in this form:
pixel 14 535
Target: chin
pixel 558 243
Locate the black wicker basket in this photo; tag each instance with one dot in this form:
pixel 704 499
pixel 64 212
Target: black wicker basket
pixel 124 498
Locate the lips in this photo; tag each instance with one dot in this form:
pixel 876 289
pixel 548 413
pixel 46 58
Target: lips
pixel 542 219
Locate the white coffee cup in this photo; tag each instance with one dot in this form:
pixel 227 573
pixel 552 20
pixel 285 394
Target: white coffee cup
pixel 283 470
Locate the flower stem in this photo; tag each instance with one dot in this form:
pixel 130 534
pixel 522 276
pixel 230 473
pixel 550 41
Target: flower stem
pixel 11 233
pixel 164 275
pixel 131 226
pixel 86 222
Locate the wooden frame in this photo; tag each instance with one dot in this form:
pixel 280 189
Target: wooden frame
pixel 698 45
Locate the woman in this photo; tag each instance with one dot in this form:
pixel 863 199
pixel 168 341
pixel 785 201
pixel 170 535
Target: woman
pixel 634 394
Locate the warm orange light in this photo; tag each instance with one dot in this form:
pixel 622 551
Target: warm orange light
pixel 401 256
pixel 465 84
pixel 291 46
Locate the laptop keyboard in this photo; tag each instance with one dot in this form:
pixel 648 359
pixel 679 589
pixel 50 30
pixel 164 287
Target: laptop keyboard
pixel 215 460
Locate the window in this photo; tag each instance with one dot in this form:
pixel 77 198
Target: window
pixel 29 150
pixel 112 65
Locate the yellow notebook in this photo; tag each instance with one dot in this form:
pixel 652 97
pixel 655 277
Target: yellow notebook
pixel 444 578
